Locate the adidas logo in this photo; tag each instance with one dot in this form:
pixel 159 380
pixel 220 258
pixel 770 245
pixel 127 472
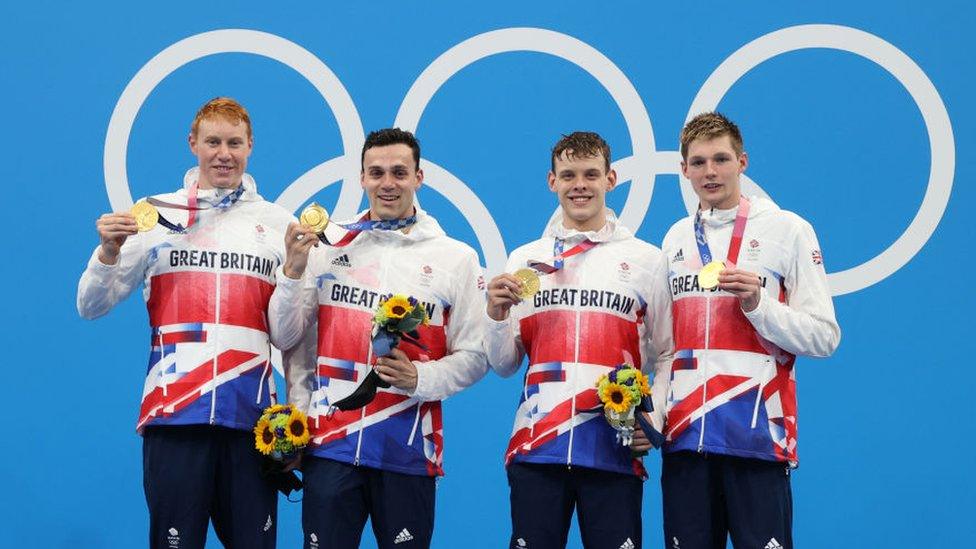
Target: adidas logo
pixel 403 536
pixel 678 257
pixel 628 544
pixel 267 524
pixel 174 532
pixel 314 541
pixel 521 542
pixel 773 544
pixel 342 261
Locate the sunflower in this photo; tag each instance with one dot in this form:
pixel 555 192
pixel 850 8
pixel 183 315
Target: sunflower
pixel 397 307
pixel 616 397
pixel 643 384
pixel 297 431
pixel 274 408
pixel 264 437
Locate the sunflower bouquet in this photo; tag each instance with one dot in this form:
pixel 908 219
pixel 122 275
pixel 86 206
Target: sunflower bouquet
pixel 622 391
pixel 281 432
pixel 396 319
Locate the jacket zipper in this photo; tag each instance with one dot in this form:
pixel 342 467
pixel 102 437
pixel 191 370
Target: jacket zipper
pixel 704 369
pixel 369 360
pixel 216 343
pixel 572 415
pixel 362 412
pixel 162 361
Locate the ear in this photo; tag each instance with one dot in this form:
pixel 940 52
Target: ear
pixel 362 178
pixel 551 178
pixel 684 169
pixel 611 180
pixel 743 161
pixel 192 140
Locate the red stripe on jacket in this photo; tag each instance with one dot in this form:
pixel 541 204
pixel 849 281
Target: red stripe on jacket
pixel 190 297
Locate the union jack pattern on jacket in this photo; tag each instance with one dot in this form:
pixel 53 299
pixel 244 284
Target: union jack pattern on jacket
pixel 206 292
pixel 731 387
pixel 336 300
pixel 598 311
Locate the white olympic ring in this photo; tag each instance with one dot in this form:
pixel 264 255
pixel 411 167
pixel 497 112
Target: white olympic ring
pixel 559 45
pixel 228 41
pixel 641 168
pixel 918 85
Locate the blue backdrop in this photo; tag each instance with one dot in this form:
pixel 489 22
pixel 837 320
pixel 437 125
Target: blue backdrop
pixel 852 115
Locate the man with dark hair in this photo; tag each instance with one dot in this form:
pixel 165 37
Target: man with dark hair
pixel 391 136
pixel 208 270
pixel 749 293
pixel 378 461
pixel 600 303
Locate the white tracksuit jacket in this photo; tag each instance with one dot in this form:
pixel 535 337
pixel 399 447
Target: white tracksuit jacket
pixel 606 306
pixel 731 387
pixel 336 300
pixel 206 292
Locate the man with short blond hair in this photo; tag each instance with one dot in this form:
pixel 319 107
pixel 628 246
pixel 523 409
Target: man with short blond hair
pixel 749 293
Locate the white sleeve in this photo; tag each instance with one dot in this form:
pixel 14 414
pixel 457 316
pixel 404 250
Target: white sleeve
pixel 102 286
pixel 292 309
pixel 659 331
pixel 293 328
pixel 465 362
pixel 503 342
pixel 805 324
pixel 299 366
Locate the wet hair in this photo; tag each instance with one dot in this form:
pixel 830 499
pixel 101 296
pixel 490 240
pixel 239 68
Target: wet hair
pixel 582 145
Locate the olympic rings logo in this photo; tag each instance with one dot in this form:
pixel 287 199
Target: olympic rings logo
pixel 640 169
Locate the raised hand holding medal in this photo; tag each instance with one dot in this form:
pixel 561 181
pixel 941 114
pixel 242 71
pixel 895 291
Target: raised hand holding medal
pixel 145 214
pixel 528 282
pixel 724 275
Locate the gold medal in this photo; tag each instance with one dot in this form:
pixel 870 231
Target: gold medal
pixel 530 282
pixel 314 217
pixel 708 276
pixel 146 215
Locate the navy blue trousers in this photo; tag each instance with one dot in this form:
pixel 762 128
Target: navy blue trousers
pixel 339 497
pixel 608 506
pixel 708 497
pixel 196 473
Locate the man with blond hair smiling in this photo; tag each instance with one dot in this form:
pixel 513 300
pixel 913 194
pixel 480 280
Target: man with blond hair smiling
pixel 749 293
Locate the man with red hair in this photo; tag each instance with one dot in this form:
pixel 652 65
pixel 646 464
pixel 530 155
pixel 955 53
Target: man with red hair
pixel 208 269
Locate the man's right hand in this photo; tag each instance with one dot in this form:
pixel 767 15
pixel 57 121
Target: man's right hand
pixel 299 241
pixel 503 292
pixel 113 229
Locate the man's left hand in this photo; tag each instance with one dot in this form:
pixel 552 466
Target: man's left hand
pixel 397 370
pixel 745 285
